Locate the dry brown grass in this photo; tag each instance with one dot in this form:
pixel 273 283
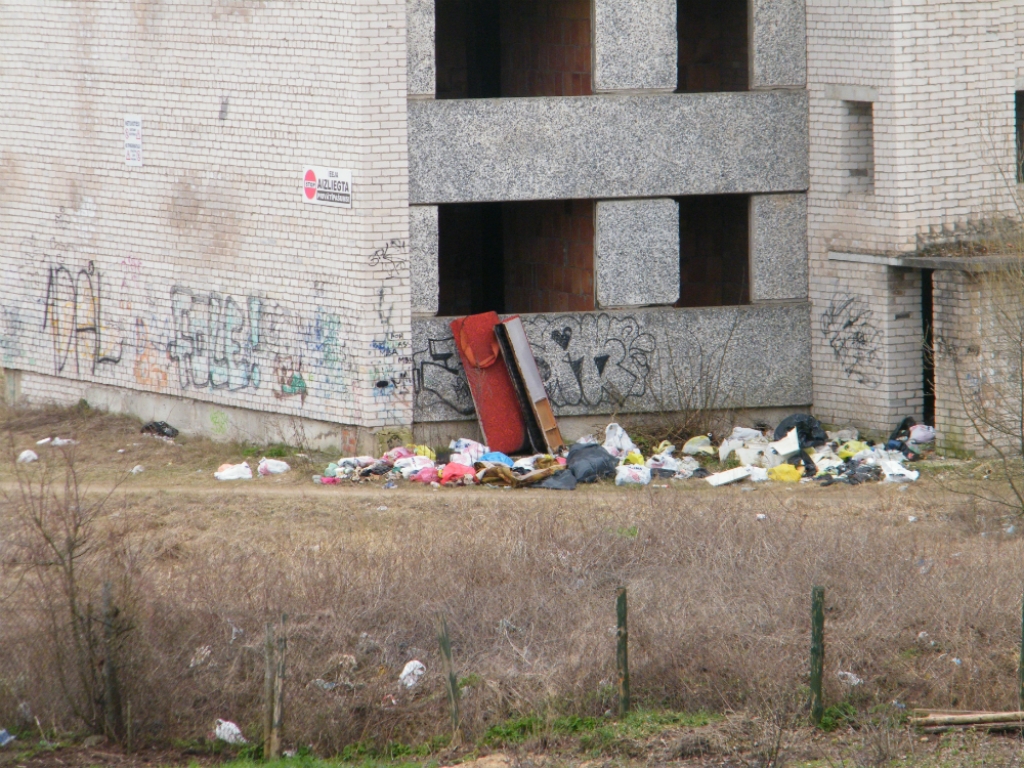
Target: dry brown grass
pixel 719 602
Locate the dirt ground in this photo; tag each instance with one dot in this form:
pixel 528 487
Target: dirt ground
pixel 185 515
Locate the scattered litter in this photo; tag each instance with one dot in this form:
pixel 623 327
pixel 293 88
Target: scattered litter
pixel 912 519
pixel 958 662
pixel 234 472
pixel 382 508
pixel 323 685
pixel 160 428
pixel 729 476
pixel 5 737
pixel 390 485
pixel 138 469
pixel 762 517
pixel 810 433
pixel 458 474
pixel 496 457
pixel 560 481
pixel 200 657
pixel 272 467
pixel 60 442
pixel 588 462
pixel 758 475
pixel 922 433
pixel 843 435
pixel 632 474
pixel 120 450
pixel 698 444
pixel 785 473
pixel 849 678
pixel 587 440
pixel 228 732
pixel 617 442
pixel 27 457
pixel 788 445
pixel 1010 530
pixel 44 441
pixel 412 673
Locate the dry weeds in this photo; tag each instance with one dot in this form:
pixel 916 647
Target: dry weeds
pixel 719 602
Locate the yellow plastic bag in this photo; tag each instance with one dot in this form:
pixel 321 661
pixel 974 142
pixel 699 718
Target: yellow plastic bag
pixel 785 473
pixel 851 449
pixel 634 457
pixel 423 450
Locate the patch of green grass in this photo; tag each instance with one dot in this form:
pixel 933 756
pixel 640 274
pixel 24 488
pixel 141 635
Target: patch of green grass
pixel 470 681
pixel 838 716
pixel 630 533
pixel 594 733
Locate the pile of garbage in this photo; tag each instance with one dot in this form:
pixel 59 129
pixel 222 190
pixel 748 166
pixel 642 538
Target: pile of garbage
pixel 799 449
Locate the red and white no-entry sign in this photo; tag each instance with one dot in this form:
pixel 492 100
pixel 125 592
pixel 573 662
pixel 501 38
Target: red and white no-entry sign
pixel 327 186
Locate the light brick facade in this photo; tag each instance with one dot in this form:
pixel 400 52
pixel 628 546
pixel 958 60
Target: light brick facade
pixel 929 87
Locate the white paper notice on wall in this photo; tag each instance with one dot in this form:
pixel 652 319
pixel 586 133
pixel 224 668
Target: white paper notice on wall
pixel 327 186
pixel 133 141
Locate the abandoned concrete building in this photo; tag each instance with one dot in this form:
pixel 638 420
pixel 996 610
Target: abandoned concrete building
pixel 251 218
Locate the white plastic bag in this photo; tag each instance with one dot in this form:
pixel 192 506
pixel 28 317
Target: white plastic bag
pixel 744 434
pixel 272 467
pixel 27 457
pixel 698 444
pixel 897 473
pixel 234 472
pixel 412 673
pixel 229 732
pixel 617 442
pixel 632 474
pixel 922 433
pixel 471 449
pixel 413 465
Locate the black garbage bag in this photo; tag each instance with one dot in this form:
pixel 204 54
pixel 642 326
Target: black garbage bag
pixel 700 473
pixel 802 459
pixel 589 462
pixel 808 430
pixel 902 431
pixel 161 428
pixel 560 481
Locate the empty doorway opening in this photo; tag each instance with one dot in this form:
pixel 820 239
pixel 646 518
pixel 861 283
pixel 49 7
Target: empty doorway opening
pixel 510 48
pixel 713 45
pixel 535 256
pixel 714 251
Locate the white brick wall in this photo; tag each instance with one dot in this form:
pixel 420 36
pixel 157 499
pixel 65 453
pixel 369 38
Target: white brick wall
pixel 942 77
pixel 204 273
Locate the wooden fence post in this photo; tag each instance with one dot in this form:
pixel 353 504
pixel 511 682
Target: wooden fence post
pixel 275 731
pixel 111 689
pixel 817 652
pixel 622 653
pixel 269 674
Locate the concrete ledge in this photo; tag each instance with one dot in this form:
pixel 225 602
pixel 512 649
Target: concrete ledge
pixel 195 417
pixel 638 361
pixel 636 252
pixel 635 45
pixel 970 264
pixel 594 147
pixel 863 93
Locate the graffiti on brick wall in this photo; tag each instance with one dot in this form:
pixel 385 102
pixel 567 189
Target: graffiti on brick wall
pixel 848 327
pixel 391 359
pixel 585 360
pixel 179 339
pixel 74 320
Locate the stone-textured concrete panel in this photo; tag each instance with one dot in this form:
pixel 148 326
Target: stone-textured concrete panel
pixel 420 45
pixel 779 247
pixel 423 252
pixel 607 146
pixel 779 44
pixel 636 252
pixel 638 361
pixel 635 45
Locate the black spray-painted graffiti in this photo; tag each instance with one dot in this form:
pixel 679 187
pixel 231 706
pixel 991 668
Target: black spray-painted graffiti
pixel 391 257
pixel 215 340
pixel 847 326
pixel 591 360
pixel 73 316
pixel 585 360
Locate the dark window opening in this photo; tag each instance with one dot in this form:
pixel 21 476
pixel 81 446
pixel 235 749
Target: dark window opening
pixel 1019 123
pixel 516 257
pixel 858 159
pixel 713 47
pixel 927 319
pixel 508 48
pixel 714 251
